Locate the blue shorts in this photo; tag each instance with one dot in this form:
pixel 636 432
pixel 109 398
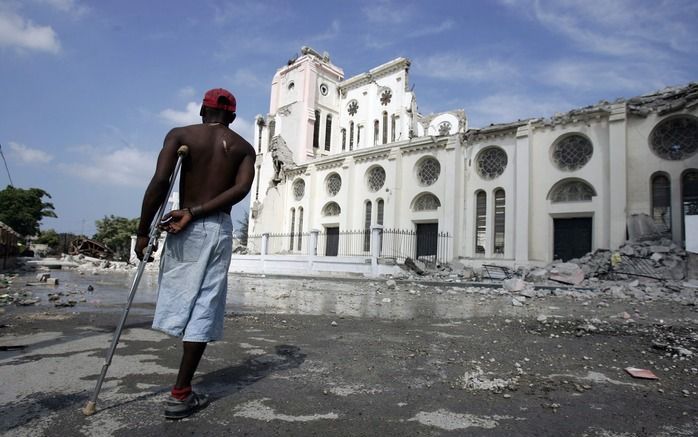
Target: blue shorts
pixel 193 280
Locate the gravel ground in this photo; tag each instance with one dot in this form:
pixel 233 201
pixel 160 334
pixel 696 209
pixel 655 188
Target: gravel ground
pixel 341 357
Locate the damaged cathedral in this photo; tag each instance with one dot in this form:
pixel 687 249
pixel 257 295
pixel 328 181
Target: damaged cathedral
pixel 338 154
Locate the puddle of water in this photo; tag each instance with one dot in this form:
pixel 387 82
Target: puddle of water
pixel 280 295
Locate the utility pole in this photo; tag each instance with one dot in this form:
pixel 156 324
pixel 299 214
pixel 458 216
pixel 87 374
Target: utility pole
pixel 6 168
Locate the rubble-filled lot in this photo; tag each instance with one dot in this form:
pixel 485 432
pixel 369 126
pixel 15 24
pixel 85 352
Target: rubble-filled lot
pixel 337 356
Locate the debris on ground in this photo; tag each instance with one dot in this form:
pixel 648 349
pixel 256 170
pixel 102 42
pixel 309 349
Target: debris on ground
pixel 640 373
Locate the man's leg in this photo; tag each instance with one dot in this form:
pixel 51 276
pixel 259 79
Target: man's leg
pixel 191 355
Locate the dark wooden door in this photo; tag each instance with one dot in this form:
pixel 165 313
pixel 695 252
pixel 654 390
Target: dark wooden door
pixel 427 239
pixel 572 237
pixel 332 243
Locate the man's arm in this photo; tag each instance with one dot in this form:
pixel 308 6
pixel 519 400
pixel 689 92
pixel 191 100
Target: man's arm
pixel 157 189
pixel 234 194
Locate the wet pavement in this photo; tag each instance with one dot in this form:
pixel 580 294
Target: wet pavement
pixel 350 357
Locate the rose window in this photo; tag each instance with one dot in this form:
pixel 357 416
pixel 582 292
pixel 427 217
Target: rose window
pixel 428 171
pixel 572 152
pixel 299 189
pixel 331 209
pixel 572 191
pixel 376 179
pixel 353 107
pixel 334 183
pixel 675 138
pixel 386 96
pixel 444 128
pixel 426 202
pixel 491 162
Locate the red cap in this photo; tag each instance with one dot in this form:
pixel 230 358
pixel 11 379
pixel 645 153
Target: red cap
pixel 218 98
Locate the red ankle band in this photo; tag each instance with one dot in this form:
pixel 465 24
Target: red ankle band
pixel 181 393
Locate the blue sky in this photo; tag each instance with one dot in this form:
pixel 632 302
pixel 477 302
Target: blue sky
pixel 89 89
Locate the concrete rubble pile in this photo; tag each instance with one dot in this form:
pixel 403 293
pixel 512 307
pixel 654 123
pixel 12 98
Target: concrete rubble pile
pixel 644 270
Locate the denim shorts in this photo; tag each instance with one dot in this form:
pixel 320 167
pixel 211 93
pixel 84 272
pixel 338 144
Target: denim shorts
pixel 193 280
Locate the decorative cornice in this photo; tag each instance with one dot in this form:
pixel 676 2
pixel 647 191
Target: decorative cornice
pixel 393 66
pixel 424 144
pixel 329 164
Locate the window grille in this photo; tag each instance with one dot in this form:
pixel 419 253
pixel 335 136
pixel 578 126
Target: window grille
pixel 316 130
pixel 344 139
pixel 491 162
pixel 334 184
pixel 299 189
pixel 376 131
pixel 444 128
pixel 385 127
pixel 426 202
pixel 331 209
pixel 328 132
pixel 393 119
pixel 351 135
pixel 428 172
pixel 300 228
pixel 661 202
pixel 293 226
pixel 675 138
pixel 367 227
pixel 480 222
pixel 572 152
pixel 572 191
pixel 353 107
pixel 379 212
pixel 376 179
pixel 499 220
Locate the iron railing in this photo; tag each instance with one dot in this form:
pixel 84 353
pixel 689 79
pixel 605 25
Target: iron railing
pixel 397 244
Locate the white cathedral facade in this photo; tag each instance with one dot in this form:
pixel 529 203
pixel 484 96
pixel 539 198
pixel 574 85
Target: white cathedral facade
pixel 338 154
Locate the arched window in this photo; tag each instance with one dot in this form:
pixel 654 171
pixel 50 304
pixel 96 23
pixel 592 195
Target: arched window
pixel 331 209
pixel 351 135
pixel 272 127
pixel 367 226
pixel 385 127
pixel 499 220
pixel 344 139
pixel 300 227
pixel 359 128
pixel 392 127
pixel 426 202
pixel 328 132
pixel 689 193
pixel 376 131
pixel 260 125
pixel 571 190
pixel 293 225
pixel 379 211
pixel 661 202
pixel 316 130
pixel 480 222
pixel 258 176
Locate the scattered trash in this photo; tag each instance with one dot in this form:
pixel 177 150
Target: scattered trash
pixel 640 373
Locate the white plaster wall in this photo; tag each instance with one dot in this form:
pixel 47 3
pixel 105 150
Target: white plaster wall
pixel 434 124
pixel 475 183
pixel 643 163
pixel 545 174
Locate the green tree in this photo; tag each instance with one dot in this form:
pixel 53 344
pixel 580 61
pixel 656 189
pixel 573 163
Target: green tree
pixel 23 210
pixel 243 228
pixel 116 233
pixel 50 238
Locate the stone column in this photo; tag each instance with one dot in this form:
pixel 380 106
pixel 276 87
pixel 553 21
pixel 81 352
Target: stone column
pixel 521 197
pixel 617 177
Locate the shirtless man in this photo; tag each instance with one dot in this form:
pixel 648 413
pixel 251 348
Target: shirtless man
pixel 216 174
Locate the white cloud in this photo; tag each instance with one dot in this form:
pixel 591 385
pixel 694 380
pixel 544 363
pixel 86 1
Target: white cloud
pixel 28 155
pixel 244 128
pixel 619 28
pixel 458 68
pixel 247 78
pixel 127 166
pixel 21 34
pixel 186 92
pixel 69 6
pixel 433 30
pixel 588 75
pixel 388 12
pixel 507 107
pixel 190 115
pixel 330 33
